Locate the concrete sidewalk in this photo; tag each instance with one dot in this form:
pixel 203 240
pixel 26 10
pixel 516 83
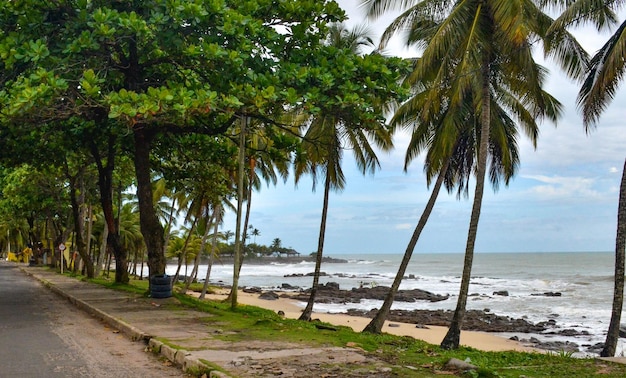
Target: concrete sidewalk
pixel 141 319
pixel 183 335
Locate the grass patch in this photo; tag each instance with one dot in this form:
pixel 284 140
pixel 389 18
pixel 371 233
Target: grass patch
pixel 409 357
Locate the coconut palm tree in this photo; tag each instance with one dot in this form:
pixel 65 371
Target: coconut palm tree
pixel 326 137
pixel 255 232
pixel 606 70
pixel 448 141
pixel 480 52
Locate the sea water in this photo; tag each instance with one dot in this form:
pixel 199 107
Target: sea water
pixel 584 281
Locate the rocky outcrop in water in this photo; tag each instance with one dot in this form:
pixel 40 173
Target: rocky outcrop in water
pixel 330 293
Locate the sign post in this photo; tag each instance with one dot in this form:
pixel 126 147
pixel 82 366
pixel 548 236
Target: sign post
pixel 61 248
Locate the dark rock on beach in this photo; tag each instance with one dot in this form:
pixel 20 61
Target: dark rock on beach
pixel 330 293
pixel 474 320
pixel 269 295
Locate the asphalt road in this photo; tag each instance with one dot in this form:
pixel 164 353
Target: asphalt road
pixel 42 335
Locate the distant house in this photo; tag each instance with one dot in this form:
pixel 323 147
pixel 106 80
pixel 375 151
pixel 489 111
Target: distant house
pixel 289 252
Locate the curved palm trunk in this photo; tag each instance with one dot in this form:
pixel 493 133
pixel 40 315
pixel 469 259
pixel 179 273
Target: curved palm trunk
pixel 453 337
pixel 196 263
pixel 306 314
pixel 612 335
pixel 242 160
pixel 183 255
pixel 376 324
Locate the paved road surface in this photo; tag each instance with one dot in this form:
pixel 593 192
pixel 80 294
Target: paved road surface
pixel 42 335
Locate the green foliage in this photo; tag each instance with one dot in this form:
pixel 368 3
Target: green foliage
pixel 427 360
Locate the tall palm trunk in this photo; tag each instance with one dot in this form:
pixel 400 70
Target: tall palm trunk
pixel 247 218
pixel 241 160
pixel 196 263
pixel 217 210
pixel 168 227
pixel 77 199
pixel 306 314
pixel 102 254
pixel 612 335
pixel 183 254
pixel 453 336
pixel 376 325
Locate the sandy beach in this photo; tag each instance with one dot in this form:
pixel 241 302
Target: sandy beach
pixel 433 334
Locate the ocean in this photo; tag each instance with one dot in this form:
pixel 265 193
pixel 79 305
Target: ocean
pixel 584 281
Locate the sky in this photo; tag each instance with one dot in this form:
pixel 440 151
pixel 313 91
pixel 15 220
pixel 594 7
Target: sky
pixel 563 199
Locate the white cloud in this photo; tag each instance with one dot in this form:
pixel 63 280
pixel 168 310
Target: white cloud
pixel 404 226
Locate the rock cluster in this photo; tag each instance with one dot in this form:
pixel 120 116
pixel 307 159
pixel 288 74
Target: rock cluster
pixel 330 293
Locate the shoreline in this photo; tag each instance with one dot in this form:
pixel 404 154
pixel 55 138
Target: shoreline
pixel 431 334
pixel 270 260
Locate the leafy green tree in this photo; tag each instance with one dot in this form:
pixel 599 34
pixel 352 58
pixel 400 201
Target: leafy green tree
pixel 480 52
pixel 39 199
pixel 605 72
pixel 153 67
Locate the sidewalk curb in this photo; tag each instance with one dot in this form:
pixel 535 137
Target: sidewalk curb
pixel 179 357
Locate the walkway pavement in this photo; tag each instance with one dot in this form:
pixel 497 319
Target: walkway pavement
pixel 183 336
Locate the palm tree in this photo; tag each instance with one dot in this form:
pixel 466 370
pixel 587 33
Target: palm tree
pixel 479 52
pixel 449 141
pixel 605 72
pixel 323 145
pixel 227 235
pixel 266 162
pixel 277 245
pixel 218 213
pixel 255 233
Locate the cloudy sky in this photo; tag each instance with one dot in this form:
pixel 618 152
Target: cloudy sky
pixel 564 197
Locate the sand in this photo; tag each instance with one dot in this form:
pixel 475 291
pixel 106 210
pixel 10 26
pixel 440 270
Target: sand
pixel 432 334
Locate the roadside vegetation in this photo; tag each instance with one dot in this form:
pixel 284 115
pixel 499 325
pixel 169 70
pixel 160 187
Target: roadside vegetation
pixel 119 119
pixel 407 356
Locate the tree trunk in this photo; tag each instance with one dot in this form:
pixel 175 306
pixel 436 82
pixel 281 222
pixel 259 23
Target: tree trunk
pixel 168 227
pixel 217 210
pixel 242 161
pixel 105 183
pixel 306 314
pixel 151 227
pixel 247 218
pixel 100 260
pixel 453 336
pixel 77 198
pixel 612 336
pixel 196 263
pixel 376 324
pixel 183 254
